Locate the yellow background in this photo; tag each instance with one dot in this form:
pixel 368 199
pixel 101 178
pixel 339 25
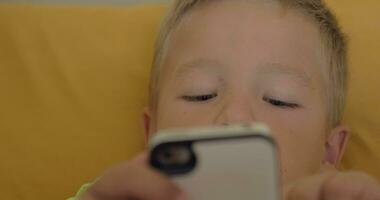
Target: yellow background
pixel 73 82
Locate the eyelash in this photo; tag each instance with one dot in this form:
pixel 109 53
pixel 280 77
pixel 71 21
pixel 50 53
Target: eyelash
pixel 274 102
pixel 200 98
pixel 280 104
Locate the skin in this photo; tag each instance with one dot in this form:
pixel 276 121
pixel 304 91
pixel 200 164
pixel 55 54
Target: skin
pixel 251 85
pixel 232 62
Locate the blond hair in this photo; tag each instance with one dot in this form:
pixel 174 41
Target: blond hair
pixel 334 41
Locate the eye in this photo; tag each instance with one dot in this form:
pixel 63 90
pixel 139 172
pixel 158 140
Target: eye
pixel 279 103
pixel 200 98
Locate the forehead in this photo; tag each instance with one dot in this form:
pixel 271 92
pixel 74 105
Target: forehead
pixel 245 34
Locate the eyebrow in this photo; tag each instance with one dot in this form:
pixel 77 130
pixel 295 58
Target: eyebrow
pixel 265 69
pixel 198 64
pixel 297 74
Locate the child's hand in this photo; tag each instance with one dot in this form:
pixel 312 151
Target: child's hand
pixel 135 180
pixel 334 185
pixel 132 180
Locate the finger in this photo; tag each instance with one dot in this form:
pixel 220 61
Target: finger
pixel 334 186
pixel 351 185
pixel 148 185
pixel 308 188
pixel 135 181
pixel 327 167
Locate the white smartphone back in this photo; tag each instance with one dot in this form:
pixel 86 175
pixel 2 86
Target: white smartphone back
pixel 237 162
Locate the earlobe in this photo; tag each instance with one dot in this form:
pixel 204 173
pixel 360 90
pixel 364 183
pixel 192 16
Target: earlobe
pixel 335 145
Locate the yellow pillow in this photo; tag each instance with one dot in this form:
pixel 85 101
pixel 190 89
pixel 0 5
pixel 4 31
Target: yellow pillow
pixel 75 82
pixel 360 20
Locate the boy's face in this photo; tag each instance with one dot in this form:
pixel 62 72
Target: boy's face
pixel 233 61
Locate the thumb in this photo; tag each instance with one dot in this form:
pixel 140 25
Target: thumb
pixel 309 187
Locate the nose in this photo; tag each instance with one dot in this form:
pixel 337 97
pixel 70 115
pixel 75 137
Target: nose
pixel 235 111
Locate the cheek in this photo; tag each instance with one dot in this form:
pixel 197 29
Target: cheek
pixel 300 137
pixel 177 114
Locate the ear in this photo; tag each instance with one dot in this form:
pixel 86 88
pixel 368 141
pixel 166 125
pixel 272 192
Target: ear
pixel 148 123
pixel 335 145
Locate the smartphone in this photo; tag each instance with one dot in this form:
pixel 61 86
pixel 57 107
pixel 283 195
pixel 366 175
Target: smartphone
pixel 219 163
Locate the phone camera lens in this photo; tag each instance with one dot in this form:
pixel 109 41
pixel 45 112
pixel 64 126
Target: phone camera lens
pixel 176 158
pixel 174 155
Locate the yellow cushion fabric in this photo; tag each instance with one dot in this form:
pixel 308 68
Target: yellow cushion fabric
pixel 74 82
pixel 360 20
